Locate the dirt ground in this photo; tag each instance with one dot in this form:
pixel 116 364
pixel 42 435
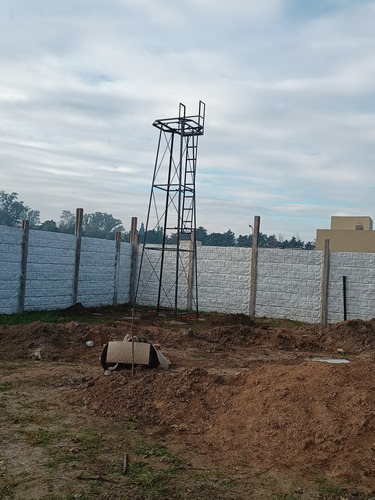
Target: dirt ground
pixel 245 412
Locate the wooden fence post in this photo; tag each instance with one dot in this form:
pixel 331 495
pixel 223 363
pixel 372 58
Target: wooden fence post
pixel 134 240
pixel 325 283
pixel 24 250
pixel 117 266
pixel 254 265
pixel 78 233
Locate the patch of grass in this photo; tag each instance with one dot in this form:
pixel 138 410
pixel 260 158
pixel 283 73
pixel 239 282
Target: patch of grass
pixel 131 422
pixel 199 477
pixel 327 489
pixel 30 317
pixel 6 386
pixel 62 457
pixel 142 475
pixel 218 475
pixel 94 486
pixel 113 469
pixel 156 450
pixel 88 442
pixel 39 437
pixel 91 440
pixel 342 355
pixel 228 483
pixel 34 418
pixel 97 315
pixel 87 315
pixel 153 476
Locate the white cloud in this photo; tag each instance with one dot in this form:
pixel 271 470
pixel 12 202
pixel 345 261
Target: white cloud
pixel 289 91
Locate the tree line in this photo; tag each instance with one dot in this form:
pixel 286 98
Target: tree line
pixel 228 239
pixel 265 241
pixel 96 225
pixel 104 225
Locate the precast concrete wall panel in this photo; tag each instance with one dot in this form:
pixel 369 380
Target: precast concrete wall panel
pixel 359 269
pixel 289 284
pixel 97 272
pixel 224 279
pixel 50 268
pixel 50 271
pixel 10 266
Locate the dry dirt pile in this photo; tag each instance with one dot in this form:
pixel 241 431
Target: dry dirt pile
pixel 310 417
pixel 244 392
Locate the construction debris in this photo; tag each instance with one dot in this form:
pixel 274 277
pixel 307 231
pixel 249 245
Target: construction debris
pixel 125 354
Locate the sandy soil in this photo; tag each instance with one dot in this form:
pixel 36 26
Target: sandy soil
pixel 242 397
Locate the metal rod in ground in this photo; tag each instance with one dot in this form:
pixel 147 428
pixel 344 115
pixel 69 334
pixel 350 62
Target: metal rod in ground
pixel 344 295
pixel 132 334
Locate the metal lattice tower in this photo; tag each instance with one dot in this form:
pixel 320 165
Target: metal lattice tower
pixel 167 274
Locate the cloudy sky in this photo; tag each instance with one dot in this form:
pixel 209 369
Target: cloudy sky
pixel 290 111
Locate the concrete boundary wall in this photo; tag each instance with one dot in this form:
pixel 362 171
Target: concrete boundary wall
pixel 50 271
pixel 288 284
pixel 10 268
pixel 224 279
pixel 359 269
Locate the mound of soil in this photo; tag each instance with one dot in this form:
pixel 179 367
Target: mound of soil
pixel 244 393
pixel 311 418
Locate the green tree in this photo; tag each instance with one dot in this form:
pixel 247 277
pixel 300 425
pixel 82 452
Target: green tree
pixel 263 240
pixel 49 225
pixel 101 225
pixel 153 236
pixel 226 239
pixel 273 242
pixel 34 218
pixel 293 243
pixel 244 240
pixel 310 245
pixel 229 239
pixel 201 234
pixel 13 212
pixel 67 222
pixel 214 240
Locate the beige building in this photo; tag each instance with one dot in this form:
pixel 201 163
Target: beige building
pixel 348 234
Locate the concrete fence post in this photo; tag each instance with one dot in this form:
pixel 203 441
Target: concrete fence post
pixel 134 240
pixel 190 280
pixel 325 283
pixel 254 265
pixel 117 266
pixel 78 234
pixel 24 253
